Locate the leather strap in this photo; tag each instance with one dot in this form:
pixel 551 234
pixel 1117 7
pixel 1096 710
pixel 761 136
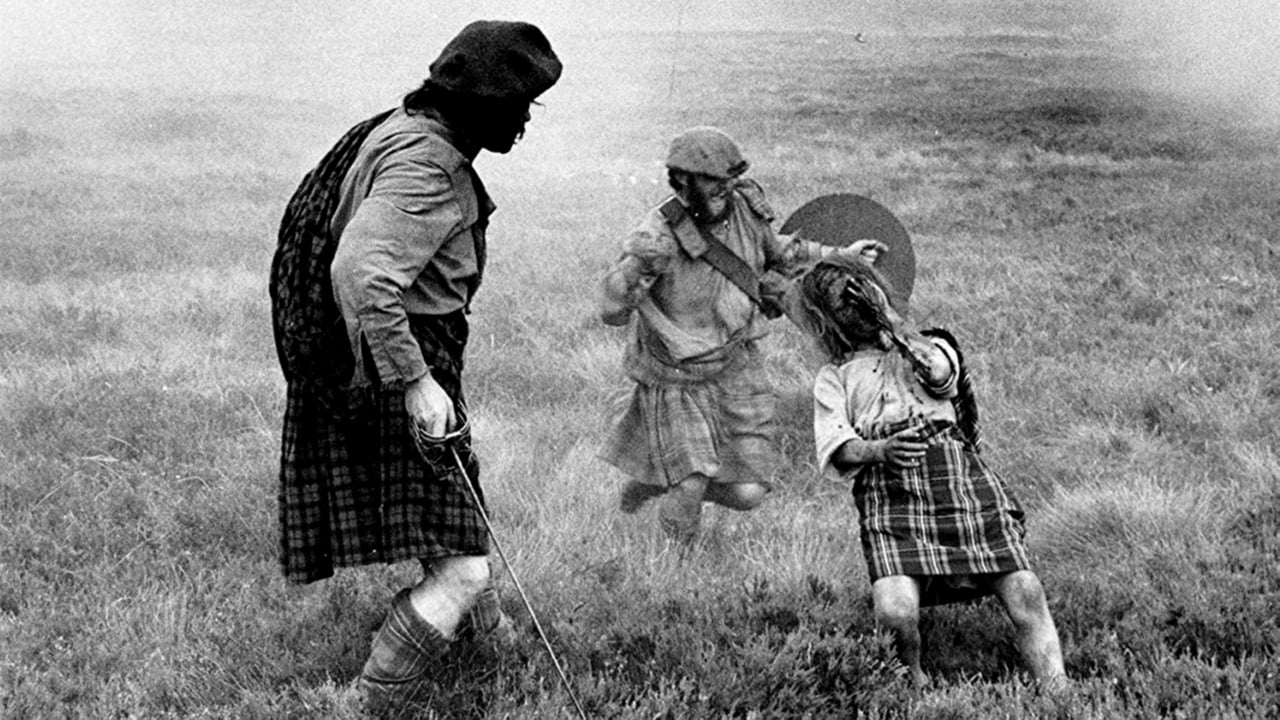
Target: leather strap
pixel 724 260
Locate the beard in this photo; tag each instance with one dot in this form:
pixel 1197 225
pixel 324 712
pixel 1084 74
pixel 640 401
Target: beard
pixel 500 137
pixel 709 207
pixel 494 125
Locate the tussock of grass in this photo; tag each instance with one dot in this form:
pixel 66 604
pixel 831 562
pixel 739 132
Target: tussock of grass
pixel 1137 519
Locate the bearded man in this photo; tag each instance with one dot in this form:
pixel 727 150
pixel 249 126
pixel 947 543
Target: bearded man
pixel 697 281
pixel 409 213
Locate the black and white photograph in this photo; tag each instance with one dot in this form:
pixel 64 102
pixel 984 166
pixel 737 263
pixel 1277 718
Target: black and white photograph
pixel 556 359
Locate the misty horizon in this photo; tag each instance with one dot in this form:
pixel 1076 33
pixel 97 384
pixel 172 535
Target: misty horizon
pixel 337 53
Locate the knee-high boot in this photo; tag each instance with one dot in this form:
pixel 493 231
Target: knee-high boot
pixel 400 655
pixel 486 620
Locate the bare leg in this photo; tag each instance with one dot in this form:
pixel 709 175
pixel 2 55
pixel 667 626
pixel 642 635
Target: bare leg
pixel 419 629
pixel 897 604
pixel 447 593
pixel 737 496
pixel 681 510
pixel 485 620
pixel 1037 636
pixel 636 493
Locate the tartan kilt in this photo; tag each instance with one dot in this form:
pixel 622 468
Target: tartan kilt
pixel 950 516
pixel 722 428
pixel 354 489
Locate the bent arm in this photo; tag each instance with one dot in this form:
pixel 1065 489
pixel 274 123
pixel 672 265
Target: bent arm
pixel 410 212
pixel 857 452
pixel 646 255
pixel 624 286
pixel 792 254
pixel 937 364
pixel 839 447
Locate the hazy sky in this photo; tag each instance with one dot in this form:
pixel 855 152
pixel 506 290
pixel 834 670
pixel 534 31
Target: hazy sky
pixel 1215 47
pixel 1222 49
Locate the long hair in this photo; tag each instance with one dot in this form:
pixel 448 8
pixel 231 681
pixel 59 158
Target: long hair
pixel 464 109
pixel 425 98
pixel 841 303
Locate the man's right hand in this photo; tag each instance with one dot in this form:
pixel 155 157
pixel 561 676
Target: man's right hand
pixel 430 406
pixel 903 449
pixel 638 289
pixel 868 250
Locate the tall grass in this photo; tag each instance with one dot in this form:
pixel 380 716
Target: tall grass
pixel 1105 254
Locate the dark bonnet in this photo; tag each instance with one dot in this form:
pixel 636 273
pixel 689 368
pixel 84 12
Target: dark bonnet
pixel 497 60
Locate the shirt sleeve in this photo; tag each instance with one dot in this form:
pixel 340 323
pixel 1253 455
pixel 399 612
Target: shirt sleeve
pixel 947 385
pixel 652 243
pixel 831 419
pixel 646 252
pixel 780 253
pixel 410 211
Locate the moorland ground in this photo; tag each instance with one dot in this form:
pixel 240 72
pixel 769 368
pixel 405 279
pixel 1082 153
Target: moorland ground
pixel 1106 254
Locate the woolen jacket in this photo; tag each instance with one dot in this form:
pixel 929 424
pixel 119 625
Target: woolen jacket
pixel 411 228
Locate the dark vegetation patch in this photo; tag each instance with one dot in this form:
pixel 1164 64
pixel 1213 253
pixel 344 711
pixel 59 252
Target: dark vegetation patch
pixel 751 649
pixel 726 651
pixel 175 125
pixel 146 245
pixel 987 56
pixel 195 133
pixel 22 143
pixel 1121 124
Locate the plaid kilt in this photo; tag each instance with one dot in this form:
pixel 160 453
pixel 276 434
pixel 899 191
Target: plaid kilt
pixel 949 516
pixel 661 434
pixel 353 488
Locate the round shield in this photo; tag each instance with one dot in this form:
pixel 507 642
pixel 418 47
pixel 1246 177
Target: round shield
pixel 842 218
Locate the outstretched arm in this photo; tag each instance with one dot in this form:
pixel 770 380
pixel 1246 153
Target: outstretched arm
pixel 795 252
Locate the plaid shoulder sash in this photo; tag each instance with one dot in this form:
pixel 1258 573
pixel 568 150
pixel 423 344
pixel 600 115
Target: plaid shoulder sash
pixel 311 337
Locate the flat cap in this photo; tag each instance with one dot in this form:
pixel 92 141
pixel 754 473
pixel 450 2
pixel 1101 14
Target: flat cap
pixel 706 151
pixel 498 60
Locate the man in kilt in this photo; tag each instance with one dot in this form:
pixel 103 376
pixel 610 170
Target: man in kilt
pixel 697 280
pixel 399 209
pixel 894 410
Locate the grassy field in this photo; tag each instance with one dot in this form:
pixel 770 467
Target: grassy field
pixel 1105 252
